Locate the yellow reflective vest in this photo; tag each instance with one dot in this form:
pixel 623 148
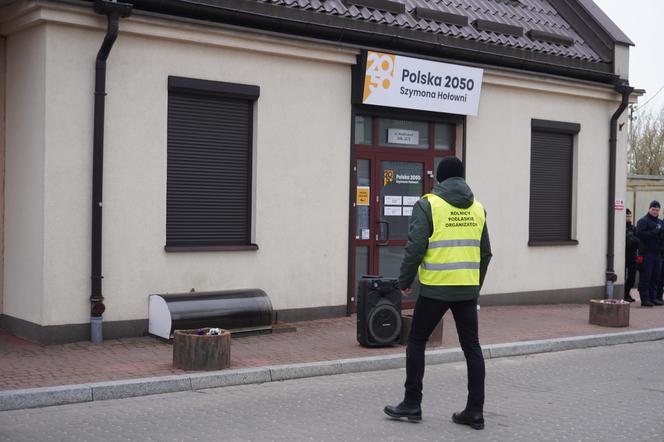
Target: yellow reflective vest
pixel 453 253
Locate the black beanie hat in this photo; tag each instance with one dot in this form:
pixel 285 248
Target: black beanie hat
pixel 449 167
pixel 654 203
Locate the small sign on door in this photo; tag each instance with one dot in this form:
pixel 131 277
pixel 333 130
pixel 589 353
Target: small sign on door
pixel 363 194
pixel 410 200
pixel 391 200
pixel 392 211
pixel 403 136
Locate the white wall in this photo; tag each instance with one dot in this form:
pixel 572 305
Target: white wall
pixel 643 199
pixel 24 175
pixel 621 61
pixel 302 136
pixel 498 157
pixel 302 171
pixel 3 68
pixel 620 188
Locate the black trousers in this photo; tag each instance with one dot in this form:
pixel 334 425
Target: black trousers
pixel 649 275
pixel 630 273
pixel 659 293
pixel 428 312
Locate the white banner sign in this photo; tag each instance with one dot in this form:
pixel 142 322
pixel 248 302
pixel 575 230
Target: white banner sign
pixel 404 82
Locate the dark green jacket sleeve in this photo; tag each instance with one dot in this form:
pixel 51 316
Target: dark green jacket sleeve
pixel 420 228
pixel 485 253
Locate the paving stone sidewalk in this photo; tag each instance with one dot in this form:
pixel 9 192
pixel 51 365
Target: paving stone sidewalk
pixel 27 365
pixel 589 395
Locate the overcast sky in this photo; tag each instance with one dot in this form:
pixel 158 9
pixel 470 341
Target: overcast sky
pixel 643 22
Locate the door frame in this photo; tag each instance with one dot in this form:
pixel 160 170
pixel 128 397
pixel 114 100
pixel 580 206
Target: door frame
pixel 374 153
pixel 376 205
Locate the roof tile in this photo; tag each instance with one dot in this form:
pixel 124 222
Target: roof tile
pixel 528 14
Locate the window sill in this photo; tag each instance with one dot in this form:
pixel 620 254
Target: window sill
pixel 570 242
pixel 211 248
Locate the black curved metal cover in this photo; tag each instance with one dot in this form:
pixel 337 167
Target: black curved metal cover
pixel 232 309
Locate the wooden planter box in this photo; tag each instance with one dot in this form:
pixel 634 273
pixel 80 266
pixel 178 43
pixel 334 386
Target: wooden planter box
pixel 201 352
pixel 436 338
pixel 609 312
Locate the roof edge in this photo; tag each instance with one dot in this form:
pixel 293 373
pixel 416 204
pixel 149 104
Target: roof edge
pixel 586 25
pixel 274 18
pixel 605 22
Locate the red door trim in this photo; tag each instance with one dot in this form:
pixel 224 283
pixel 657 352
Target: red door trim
pixel 374 154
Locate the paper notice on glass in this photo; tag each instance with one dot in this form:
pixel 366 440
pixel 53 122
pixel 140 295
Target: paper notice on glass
pixel 365 233
pixel 407 211
pixel 410 200
pixel 391 200
pixel 363 193
pixel 392 211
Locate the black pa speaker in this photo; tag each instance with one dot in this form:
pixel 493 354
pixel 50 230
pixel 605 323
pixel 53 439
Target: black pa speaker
pixel 378 312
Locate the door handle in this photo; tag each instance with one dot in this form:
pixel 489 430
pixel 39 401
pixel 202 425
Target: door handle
pixel 387 236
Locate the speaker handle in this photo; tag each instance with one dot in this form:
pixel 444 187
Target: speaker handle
pixel 384 286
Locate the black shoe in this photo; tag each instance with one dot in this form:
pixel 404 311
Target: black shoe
pixel 628 298
pixel 658 302
pixel 472 418
pixel 647 304
pixel 411 412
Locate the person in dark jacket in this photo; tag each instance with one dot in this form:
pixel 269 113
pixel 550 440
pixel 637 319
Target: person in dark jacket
pixel 650 231
pixel 450 212
pixel 631 248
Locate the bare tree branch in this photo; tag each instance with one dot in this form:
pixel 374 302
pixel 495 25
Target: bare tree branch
pixel 645 152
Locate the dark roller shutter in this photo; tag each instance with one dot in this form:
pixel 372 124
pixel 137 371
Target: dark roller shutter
pixel 209 170
pixel 550 186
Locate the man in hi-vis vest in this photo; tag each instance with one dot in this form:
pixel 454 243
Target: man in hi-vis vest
pixel 448 247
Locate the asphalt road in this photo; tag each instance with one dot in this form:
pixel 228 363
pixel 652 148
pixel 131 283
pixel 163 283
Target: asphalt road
pixel 611 393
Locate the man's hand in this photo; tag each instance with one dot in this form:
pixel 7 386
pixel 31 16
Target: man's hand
pixel 407 292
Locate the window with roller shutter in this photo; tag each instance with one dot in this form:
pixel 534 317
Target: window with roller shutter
pixel 209 183
pixel 551 182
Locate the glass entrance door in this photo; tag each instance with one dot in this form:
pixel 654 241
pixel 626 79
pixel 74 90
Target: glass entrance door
pixel 393 168
pixel 402 184
pixel 387 188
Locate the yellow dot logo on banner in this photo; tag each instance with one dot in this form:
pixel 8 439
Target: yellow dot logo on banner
pixel 388 177
pixel 379 73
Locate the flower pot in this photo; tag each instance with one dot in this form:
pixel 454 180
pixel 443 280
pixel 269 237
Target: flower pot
pixel 201 352
pixel 609 312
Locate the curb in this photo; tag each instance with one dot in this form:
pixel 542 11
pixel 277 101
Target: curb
pixel 71 394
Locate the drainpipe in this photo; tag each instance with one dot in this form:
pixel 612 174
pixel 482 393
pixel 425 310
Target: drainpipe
pixel 113 10
pixel 625 90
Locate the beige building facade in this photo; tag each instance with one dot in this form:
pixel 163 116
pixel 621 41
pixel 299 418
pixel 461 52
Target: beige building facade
pixel 306 244
pixel 3 70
